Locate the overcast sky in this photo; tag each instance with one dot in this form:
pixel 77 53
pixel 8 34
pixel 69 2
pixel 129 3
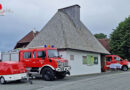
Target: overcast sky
pixel 99 16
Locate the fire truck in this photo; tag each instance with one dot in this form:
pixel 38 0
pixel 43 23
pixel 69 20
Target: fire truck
pixel 42 60
pixel 11 71
pixel 116 62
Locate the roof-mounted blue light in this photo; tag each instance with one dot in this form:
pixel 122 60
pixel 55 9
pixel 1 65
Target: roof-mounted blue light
pixel 52 46
pixel 45 46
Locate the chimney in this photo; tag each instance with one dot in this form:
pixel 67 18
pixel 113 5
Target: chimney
pixel 74 13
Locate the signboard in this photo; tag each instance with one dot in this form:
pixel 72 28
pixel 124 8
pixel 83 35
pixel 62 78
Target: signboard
pixel 1 10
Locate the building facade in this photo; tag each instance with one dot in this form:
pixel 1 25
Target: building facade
pixel 74 41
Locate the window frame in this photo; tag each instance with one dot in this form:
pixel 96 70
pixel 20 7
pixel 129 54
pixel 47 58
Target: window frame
pixel 34 54
pixel 83 60
pixel 95 59
pixel 71 57
pixel 109 60
pixel 29 57
pixel 116 57
pixel 90 60
pixel 42 54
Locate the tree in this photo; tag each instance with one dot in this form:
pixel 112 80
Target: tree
pixel 120 39
pixel 100 36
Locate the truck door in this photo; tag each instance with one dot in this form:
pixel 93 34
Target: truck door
pixel 117 59
pixel 27 58
pixel 108 61
pixel 40 58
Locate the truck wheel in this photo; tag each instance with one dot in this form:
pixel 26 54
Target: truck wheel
pixel 48 74
pixel 124 68
pixel 2 80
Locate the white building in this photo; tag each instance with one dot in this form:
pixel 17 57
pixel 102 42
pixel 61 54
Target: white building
pixel 74 41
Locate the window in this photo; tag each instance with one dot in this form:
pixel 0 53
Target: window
pixel 84 59
pixel 34 54
pixel 71 57
pixel 117 58
pixel 52 53
pixel 109 59
pixel 90 60
pixel 27 55
pixel 41 54
pixel 95 60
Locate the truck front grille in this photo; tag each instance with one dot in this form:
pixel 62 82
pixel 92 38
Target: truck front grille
pixel 65 64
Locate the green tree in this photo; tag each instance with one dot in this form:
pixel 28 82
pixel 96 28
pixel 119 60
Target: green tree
pixel 120 39
pixel 100 36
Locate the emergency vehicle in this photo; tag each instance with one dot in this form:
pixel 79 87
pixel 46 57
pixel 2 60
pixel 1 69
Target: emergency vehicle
pixel 116 62
pixel 42 60
pixel 11 71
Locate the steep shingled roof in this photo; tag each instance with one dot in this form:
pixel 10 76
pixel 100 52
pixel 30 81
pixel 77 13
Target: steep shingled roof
pixel 26 39
pixel 65 30
pixel 105 43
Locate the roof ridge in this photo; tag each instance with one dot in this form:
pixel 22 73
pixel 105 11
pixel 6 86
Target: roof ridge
pixel 69 18
pixel 68 7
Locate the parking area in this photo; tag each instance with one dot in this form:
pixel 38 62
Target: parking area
pixel 39 83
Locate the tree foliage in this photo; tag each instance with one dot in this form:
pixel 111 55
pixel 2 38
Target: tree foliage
pixel 120 39
pixel 100 36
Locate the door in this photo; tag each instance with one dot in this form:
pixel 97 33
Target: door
pixel 118 59
pixel 39 58
pixel 27 58
pixel 108 61
pixel 103 63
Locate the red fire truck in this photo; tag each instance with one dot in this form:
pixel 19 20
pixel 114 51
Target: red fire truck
pixel 11 71
pixel 116 62
pixel 44 61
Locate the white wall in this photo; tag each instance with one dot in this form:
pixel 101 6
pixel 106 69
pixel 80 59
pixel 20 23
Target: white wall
pixel 77 66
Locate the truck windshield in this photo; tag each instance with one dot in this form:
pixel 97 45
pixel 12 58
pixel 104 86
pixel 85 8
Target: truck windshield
pixel 52 53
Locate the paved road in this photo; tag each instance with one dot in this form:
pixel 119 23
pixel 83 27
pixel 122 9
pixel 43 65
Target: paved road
pixel 110 81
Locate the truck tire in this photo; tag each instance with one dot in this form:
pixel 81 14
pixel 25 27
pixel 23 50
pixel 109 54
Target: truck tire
pixel 2 80
pixel 124 68
pixel 48 74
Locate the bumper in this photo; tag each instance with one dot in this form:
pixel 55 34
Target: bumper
pixel 60 69
pixel 14 77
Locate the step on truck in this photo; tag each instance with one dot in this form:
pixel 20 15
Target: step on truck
pixel 12 71
pixel 116 62
pixel 44 61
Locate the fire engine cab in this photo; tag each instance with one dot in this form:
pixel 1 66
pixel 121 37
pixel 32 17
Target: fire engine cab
pixel 44 61
pixel 116 62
